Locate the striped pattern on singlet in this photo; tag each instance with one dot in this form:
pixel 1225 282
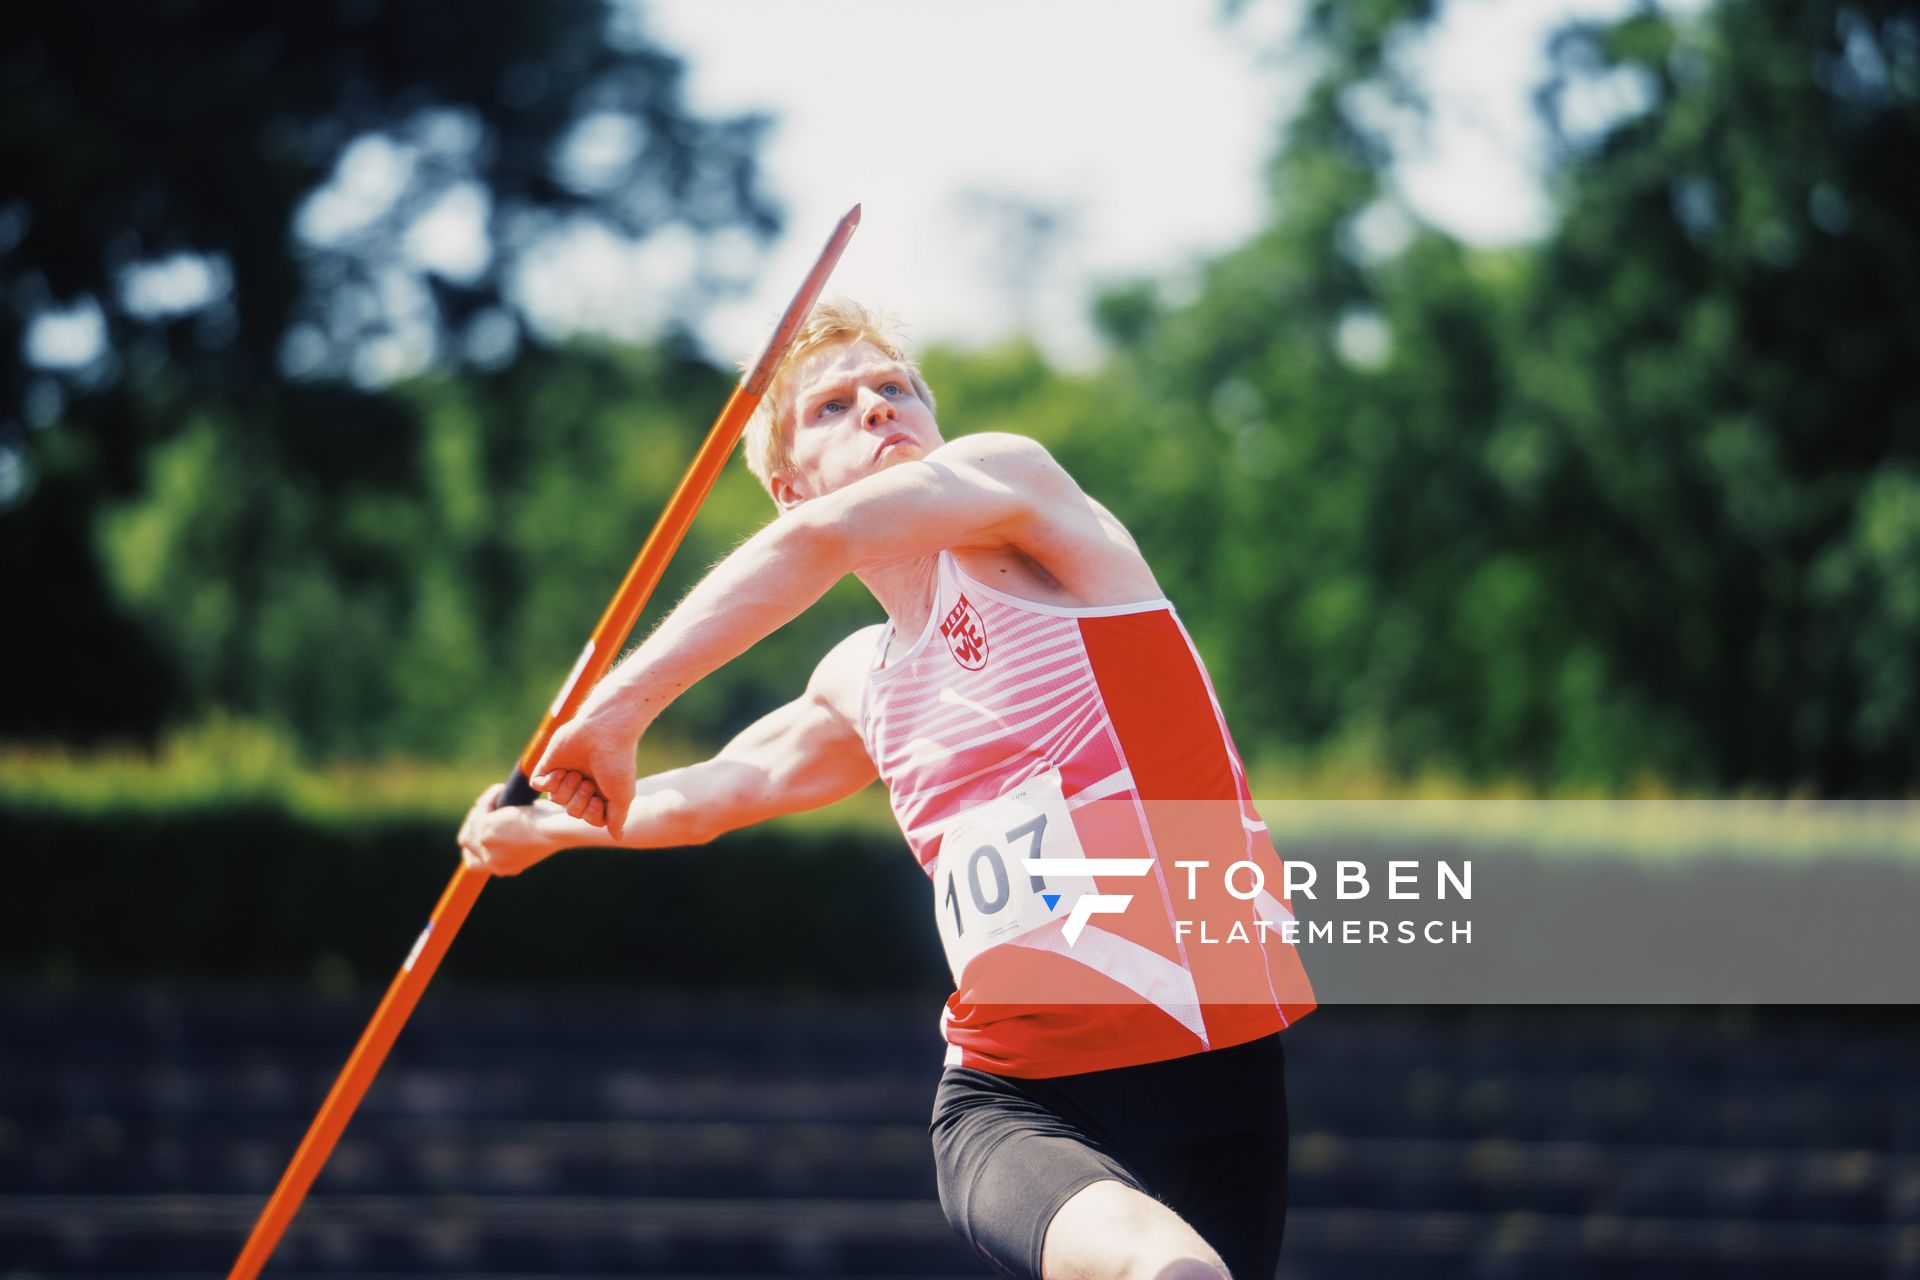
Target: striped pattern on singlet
pixel 996 690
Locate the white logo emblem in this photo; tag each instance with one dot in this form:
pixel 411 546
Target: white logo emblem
pixel 1088 905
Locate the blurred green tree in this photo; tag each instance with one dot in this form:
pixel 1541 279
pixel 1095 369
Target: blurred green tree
pixel 224 231
pixel 1642 499
pixel 1722 333
pixel 436 619
pixel 1637 501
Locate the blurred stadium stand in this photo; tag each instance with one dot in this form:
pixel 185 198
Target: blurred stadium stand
pixel 529 1135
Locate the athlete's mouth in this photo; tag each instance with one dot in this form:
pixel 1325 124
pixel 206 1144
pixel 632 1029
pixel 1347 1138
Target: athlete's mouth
pixel 889 442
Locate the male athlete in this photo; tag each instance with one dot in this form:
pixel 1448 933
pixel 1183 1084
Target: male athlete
pixel 1112 1101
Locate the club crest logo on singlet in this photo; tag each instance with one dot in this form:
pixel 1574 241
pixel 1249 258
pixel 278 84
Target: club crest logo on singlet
pixel 965 635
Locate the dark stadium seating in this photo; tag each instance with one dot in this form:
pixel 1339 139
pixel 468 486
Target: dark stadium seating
pixel 140 1133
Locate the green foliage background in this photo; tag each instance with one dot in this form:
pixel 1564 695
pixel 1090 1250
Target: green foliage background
pixel 1636 505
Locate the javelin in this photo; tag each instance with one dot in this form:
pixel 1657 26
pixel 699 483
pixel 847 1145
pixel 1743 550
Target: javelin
pixel 608 635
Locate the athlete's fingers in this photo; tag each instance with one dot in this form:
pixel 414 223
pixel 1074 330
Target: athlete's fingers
pixel 561 756
pixel 482 805
pixel 564 791
pixel 470 825
pixel 617 786
pixel 577 807
pixel 474 855
pixel 596 814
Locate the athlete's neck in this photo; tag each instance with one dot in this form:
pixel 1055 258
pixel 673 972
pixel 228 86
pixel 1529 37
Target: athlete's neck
pixel 905 590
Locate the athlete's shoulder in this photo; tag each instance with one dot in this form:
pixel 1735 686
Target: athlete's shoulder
pixel 1005 448
pixel 1006 458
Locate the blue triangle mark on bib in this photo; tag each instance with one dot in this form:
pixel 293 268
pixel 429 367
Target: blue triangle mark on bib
pixel 1051 899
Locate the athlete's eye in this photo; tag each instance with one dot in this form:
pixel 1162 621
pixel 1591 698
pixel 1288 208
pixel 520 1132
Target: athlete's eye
pixel 831 406
pixel 892 389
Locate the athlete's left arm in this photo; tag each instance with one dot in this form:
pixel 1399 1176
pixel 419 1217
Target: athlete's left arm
pixel 987 489
pixel 983 489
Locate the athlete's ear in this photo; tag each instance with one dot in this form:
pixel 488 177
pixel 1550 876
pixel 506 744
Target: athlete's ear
pixel 785 496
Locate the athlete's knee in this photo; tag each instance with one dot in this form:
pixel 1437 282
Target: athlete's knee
pixel 1187 1268
pixel 1109 1231
pixel 1144 1259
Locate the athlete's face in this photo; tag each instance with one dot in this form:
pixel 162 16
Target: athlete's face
pixel 855 411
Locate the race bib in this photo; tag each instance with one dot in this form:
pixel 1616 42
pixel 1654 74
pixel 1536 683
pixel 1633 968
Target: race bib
pixel 983 893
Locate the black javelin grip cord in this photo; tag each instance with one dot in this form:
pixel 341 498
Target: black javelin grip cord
pixel 608 635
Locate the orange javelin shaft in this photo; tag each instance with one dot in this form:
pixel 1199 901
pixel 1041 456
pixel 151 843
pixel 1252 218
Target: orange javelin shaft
pixel 464 889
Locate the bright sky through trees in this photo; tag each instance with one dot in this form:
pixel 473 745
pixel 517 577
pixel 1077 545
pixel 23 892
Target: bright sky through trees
pixel 1012 154
pixel 1010 157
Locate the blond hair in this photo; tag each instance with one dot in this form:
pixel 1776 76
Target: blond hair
pixel 833 321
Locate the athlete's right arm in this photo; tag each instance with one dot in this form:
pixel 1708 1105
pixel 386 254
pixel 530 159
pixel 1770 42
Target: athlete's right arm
pixel 800 756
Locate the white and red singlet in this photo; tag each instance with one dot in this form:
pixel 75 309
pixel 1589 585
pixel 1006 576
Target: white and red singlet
pixel 1031 731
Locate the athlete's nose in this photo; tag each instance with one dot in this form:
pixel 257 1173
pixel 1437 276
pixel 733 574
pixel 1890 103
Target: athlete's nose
pixel 875 408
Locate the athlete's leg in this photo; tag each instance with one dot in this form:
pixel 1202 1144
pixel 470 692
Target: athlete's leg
pixel 1109 1231
pixel 1237 1198
pixel 1210 1138
pixel 1009 1153
pixel 1173 1170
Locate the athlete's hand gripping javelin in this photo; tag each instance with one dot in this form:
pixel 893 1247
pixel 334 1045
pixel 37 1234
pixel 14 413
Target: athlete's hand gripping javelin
pixel 588 766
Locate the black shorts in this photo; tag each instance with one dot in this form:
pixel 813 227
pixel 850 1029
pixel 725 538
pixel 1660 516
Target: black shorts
pixel 1204 1134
